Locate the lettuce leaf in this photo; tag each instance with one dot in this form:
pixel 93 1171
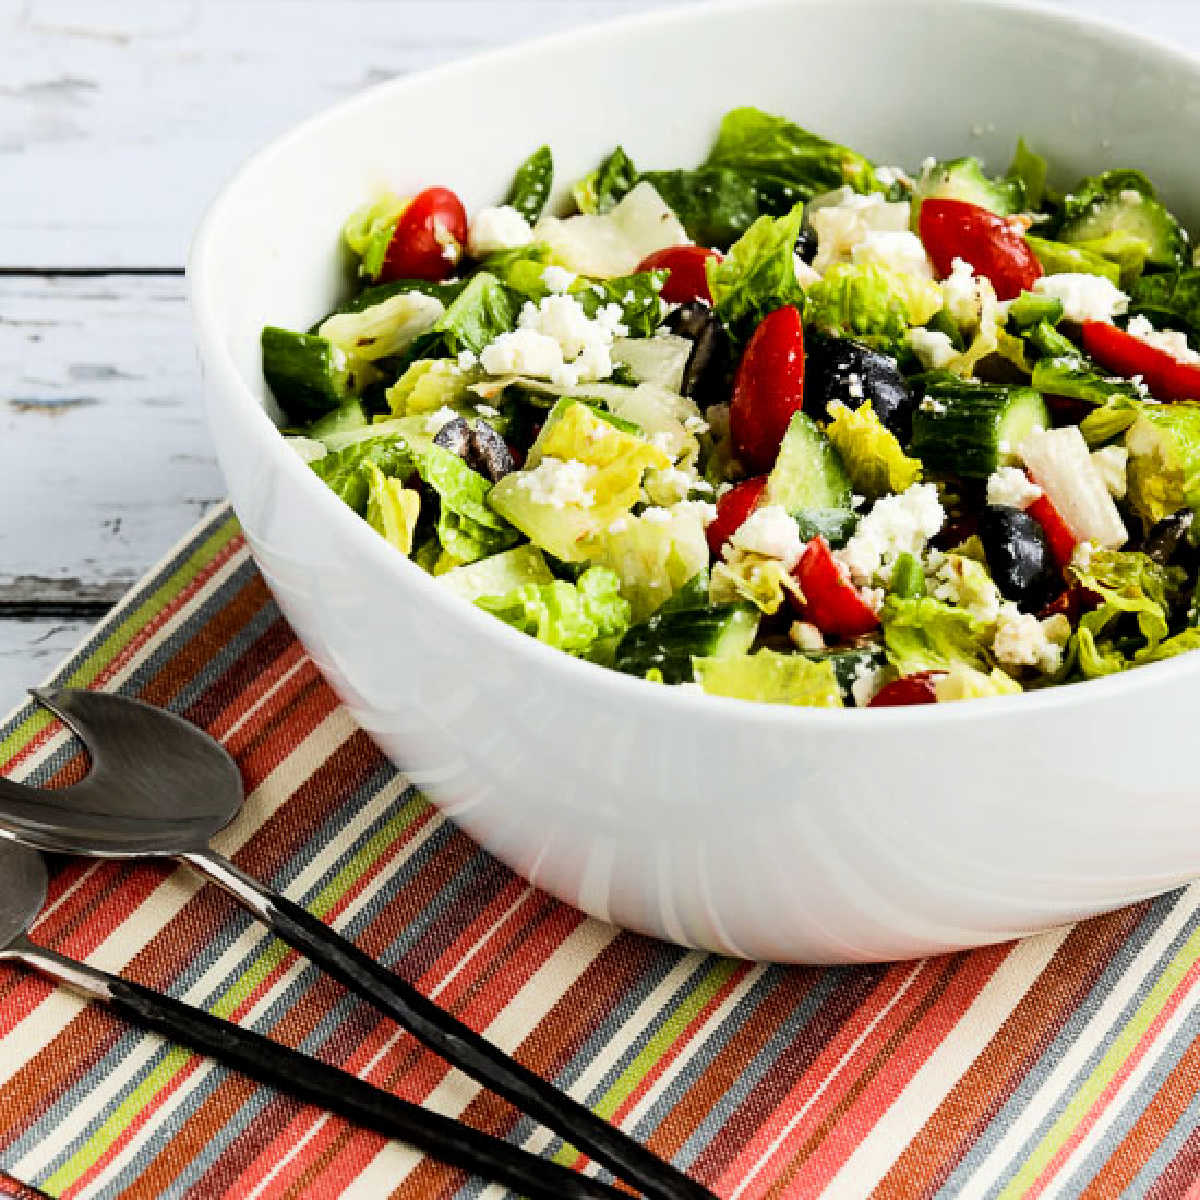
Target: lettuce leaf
pixel 500 574
pixel 568 616
pixel 968 683
pixel 368 231
pixel 429 384
pixel 874 458
pixel 347 471
pixel 1031 170
pixel 1059 258
pixel 758 275
pixel 637 296
pixel 923 634
pixel 531 184
pixel 752 140
pixel 482 311
pixel 1079 377
pixel 1170 301
pixel 870 303
pixel 716 204
pixel 754 579
pixel 771 678
pixel 607 185
pixel 1164 459
pixel 384 329
pixel 392 509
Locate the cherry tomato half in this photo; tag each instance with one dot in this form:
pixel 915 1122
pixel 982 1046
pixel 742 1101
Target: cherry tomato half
pixel 910 689
pixel 1058 533
pixel 686 279
pixel 768 389
pixel 993 245
pixel 429 238
pixel 1121 353
pixel 831 601
pixel 733 510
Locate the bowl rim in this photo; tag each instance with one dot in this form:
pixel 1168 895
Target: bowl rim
pixel 203 264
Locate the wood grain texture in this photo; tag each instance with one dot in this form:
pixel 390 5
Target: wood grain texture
pixel 30 650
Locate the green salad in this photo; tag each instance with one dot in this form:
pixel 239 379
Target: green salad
pixel 787 426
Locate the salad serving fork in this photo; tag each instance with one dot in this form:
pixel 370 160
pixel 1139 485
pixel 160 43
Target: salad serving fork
pixel 161 788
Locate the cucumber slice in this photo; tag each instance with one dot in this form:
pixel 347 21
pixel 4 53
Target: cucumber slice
pixel 850 665
pixel 808 474
pixel 306 373
pixel 668 640
pixel 971 429
pixel 1135 213
pixel 964 179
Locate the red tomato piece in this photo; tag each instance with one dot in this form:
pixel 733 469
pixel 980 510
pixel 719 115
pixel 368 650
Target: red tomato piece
pixel 1058 532
pixel 1121 353
pixel 733 509
pixel 831 601
pixel 429 239
pixel 768 389
pixel 993 245
pixel 686 276
pixel 909 689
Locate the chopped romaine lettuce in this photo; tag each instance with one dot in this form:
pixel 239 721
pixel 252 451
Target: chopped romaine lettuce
pixel 964 179
pixel 871 303
pixel 1170 300
pixel 521 269
pixel 1079 378
pixel 771 678
pixel 1164 459
pixel 924 634
pixel 499 575
pixel 385 329
pixel 347 471
pixel 429 384
pixel 1030 169
pixel 752 140
pixel 531 184
pixel 753 579
pixel 569 616
pixel 716 204
pixel 637 296
pixel 392 509
pixel 872 455
pixel 607 185
pixel 368 231
pixel 482 311
pixel 1059 258
pixel 962 682
pixel 1029 310
pixel 758 275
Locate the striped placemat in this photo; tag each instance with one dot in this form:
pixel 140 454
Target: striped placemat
pixel 1067 1064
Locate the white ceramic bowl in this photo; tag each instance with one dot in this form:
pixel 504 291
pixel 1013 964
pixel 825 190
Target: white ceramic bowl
pixel 774 833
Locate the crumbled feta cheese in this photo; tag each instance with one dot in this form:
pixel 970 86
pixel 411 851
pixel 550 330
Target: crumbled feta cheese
pixel 584 343
pixel 841 225
pixel 486 410
pixel 436 421
pixel 806 275
pixel 702 486
pixel 1170 341
pixel 934 349
pixel 696 425
pixel 895 249
pixel 501 228
pixel 1084 297
pixel 866 683
pixel 1023 641
pixel 1112 463
pixel 1010 487
pixel 895 525
pixel 467 359
pixel 559 482
pixel 772 532
pixel 619 525
pixel 657 516
pixel 960 293
pixel 706 512
pixel 805 636
pixel 962 582
pixel 558 279
pixel 669 486
pixel 522 352
pixel 888 176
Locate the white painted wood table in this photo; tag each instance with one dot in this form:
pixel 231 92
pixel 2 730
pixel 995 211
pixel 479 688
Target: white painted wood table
pixel 118 120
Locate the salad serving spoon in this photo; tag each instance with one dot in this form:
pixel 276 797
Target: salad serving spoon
pixel 22 894
pixel 159 787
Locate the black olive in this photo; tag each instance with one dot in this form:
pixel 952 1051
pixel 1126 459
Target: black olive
pixel 481 447
pixel 846 370
pixel 706 373
pixel 1019 558
pixel 454 436
pixel 806 245
pixel 489 453
pixel 1168 540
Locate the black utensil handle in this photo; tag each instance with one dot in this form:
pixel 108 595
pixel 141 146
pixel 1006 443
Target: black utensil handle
pixel 319 1084
pixel 454 1041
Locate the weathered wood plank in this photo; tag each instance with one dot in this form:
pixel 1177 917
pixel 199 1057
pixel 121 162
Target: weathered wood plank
pixel 30 650
pixel 119 119
pixel 104 458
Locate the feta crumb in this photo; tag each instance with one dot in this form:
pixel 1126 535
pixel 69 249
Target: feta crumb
pixel 706 511
pixel 1010 487
pixel 1023 641
pixel 854 387
pixel 501 228
pixel 522 352
pixel 841 225
pixel 805 636
pixel 895 249
pixel 895 525
pixel 558 483
pixel 806 276
pixel 467 359
pixel 960 293
pixel 1112 464
pixel 771 531
pixel 486 410
pixel 584 343
pixel 696 425
pixel 935 350
pixel 866 683
pixel 1170 341
pixel 657 516
pixel 889 176
pixel 558 279
pixel 1084 297
pixel 437 421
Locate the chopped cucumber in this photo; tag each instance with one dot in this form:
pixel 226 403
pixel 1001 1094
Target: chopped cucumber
pixel 963 179
pixel 1118 206
pixel 808 474
pixel 669 639
pixel 306 373
pixel 971 429
pixel 849 666
pixel 349 416
pixel 1029 309
pixel 1080 379
pixel 1061 258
